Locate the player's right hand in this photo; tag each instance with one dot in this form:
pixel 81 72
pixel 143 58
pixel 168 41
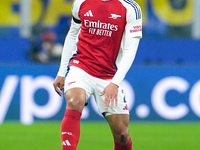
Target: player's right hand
pixel 59 84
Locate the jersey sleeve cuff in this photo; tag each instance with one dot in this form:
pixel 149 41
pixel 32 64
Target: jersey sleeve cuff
pixel 61 73
pixel 116 82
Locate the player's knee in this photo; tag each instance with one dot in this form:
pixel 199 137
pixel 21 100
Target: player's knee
pixel 122 137
pixel 75 99
pixel 75 104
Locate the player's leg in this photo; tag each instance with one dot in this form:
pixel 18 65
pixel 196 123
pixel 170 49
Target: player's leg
pixel 117 117
pixel 70 126
pixel 119 126
pixel 76 93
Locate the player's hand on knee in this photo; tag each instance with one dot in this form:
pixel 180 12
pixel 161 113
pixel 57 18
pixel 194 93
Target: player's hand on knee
pixel 111 95
pixel 59 84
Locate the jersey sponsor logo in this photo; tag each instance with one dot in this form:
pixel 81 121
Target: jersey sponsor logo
pixel 101 25
pixel 114 16
pixel 66 143
pixel 136 29
pixel 89 14
pixel 100 28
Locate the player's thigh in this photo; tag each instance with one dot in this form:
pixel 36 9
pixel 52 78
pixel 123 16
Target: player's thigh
pixel 77 88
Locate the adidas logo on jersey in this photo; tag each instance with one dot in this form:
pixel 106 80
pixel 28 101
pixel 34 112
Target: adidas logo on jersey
pixel 89 14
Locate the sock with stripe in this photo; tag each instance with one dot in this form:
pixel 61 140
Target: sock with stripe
pixel 70 129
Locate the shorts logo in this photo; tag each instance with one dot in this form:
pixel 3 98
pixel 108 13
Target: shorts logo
pixel 70 83
pixel 126 107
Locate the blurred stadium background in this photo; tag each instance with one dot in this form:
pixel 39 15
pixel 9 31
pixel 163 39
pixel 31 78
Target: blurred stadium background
pixel 162 87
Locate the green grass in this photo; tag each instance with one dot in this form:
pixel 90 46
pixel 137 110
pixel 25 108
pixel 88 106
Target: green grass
pixel 97 136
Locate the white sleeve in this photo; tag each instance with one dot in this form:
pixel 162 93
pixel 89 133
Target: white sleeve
pixel 125 59
pixel 134 22
pixel 129 43
pixel 69 48
pixel 75 8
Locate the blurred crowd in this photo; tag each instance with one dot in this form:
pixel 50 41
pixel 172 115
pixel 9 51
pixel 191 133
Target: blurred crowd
pixel 161 20
pixel 46 49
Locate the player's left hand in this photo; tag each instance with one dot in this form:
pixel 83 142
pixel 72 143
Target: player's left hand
pixel 111 95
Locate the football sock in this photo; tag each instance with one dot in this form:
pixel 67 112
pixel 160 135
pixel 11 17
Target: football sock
pixel 70 129
pixel 128 146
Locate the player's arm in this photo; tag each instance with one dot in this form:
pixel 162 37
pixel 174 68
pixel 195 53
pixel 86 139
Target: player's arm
pixel 68 48
pixel 70 40
pixel 126 56
pixel 129 44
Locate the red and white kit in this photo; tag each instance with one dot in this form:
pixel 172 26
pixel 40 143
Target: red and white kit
pixel 108 36
pixel 104 35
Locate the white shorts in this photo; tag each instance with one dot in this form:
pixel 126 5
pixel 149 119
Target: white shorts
pixel 94 86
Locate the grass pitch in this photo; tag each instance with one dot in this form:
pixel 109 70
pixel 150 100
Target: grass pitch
pixel 97 136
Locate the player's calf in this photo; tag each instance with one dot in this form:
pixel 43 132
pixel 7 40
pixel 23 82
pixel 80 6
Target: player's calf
pixel 70 129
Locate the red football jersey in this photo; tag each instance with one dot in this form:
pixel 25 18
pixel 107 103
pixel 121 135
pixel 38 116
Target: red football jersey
pixel 103 25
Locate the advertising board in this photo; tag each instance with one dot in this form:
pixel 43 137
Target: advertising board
pixel 153 93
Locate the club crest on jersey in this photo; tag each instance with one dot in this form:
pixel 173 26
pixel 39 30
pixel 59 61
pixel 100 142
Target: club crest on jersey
pixel 114 16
